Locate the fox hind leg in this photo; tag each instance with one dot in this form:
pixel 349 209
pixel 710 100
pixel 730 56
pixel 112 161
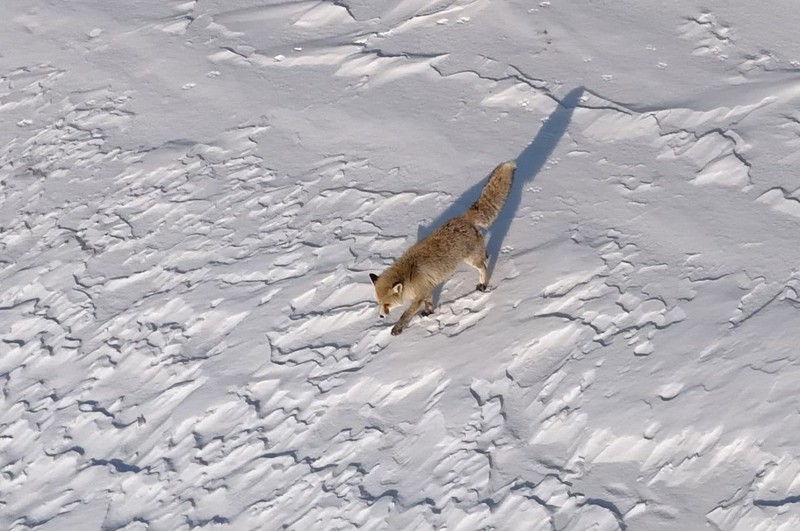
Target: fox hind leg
pixel 478 261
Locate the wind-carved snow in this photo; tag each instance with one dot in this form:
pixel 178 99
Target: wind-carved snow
pixel 187 332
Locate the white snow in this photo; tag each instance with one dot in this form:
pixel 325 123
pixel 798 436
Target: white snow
pixel 194 193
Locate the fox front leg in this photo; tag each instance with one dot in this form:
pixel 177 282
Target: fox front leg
pixel 428 309
pixel 406 317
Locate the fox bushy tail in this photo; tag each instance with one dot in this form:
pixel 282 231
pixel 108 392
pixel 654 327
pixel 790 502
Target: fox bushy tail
pixel 484 211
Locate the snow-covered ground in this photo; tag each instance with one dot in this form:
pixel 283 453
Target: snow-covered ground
pixel 193 196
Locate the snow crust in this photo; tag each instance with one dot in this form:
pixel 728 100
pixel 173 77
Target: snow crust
pixel 194 193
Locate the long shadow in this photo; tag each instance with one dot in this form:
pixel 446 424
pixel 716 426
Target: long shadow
pixel 529 163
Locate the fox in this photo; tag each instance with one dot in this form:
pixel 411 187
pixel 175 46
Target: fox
pixel 434 259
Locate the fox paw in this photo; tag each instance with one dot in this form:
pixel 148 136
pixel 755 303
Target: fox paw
pixel 426 313
pixel 481 287
pixel 396 329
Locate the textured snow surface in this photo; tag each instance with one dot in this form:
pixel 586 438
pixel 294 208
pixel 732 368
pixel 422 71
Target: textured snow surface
pixel 194 193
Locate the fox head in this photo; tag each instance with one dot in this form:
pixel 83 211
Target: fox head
pixel 388 294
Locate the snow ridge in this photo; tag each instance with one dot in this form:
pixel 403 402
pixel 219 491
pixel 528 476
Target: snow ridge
pixel 194 194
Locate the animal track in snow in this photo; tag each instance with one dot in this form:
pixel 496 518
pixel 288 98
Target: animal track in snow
pixel 711 36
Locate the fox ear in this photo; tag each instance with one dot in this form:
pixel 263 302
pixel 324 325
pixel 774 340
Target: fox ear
pixel 398 288
pixel 373 277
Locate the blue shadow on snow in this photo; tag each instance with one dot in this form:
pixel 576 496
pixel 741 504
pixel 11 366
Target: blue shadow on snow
pixel 529 163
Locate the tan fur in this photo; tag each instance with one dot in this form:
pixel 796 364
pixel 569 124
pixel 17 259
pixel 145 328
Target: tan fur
pixel 434 259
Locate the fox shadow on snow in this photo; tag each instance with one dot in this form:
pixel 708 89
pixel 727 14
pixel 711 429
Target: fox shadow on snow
pixel 529 163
